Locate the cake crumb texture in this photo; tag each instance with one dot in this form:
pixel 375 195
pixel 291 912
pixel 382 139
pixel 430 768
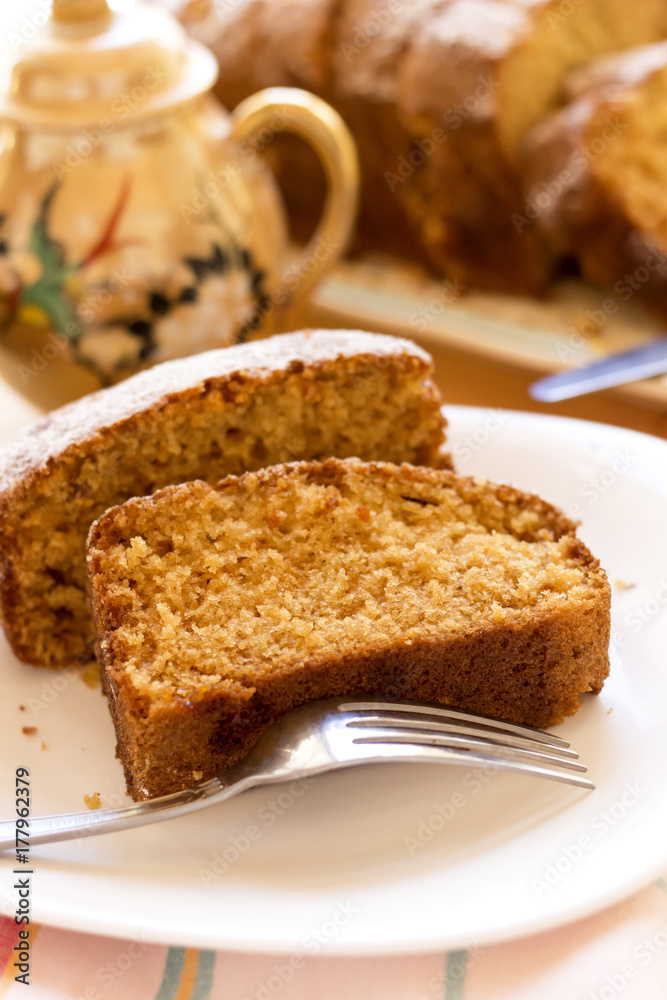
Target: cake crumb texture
pixel 308 395
pixel 219 608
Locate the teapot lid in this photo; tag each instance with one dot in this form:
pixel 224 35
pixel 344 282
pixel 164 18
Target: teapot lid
pixel 91 64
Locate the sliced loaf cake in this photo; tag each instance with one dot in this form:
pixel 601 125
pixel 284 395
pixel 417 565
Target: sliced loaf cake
pixel 294 396
pixel 596 175
pixel 439 95
pixel 220 608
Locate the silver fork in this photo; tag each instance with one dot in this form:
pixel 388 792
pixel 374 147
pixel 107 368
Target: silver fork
pixel 326 735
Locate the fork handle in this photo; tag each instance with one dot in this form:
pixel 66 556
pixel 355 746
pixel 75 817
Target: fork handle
pixel 69 826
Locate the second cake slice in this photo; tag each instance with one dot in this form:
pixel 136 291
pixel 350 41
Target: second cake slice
pixel 220 608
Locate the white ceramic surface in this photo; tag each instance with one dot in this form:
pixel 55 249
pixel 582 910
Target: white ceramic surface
pixel 395 858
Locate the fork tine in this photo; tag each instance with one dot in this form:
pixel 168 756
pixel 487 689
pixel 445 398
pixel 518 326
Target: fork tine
pixel 419 709
pixel 456 741
pixel 429 724
pixel 426 753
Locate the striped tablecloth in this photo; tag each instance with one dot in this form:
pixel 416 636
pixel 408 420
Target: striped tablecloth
pixel 620 952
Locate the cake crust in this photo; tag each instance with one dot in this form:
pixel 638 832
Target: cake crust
pixel 291 396
pixel 594 175
pixel 239 368
pixel 528 663
pixel 439 95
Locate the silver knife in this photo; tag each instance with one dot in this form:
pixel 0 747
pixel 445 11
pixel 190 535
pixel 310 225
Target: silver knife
pixel 640 362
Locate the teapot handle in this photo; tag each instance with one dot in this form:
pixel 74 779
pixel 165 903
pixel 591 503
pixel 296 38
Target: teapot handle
pixel 314 120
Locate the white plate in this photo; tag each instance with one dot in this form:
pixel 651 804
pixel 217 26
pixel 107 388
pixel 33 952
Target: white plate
pixel 395 858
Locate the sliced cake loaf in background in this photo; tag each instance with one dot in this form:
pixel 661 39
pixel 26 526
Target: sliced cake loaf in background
pixel 596 175
pixel 485 72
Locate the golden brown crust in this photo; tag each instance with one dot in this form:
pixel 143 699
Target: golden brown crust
pixel 509 673
pixel 372 40
pixel 585 208
pixel 47 469
pixel 85 422
pixel 615 74
pixel 449 94
pixel 531 670
pixel 301 34
pixel 438 95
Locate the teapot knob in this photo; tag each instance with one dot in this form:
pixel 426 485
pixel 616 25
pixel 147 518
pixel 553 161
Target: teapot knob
pixel 79 11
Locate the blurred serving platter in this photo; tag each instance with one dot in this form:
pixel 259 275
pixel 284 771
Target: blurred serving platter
pixel 576 324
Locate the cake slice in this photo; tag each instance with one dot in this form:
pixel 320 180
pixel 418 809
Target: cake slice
pixel 293 396
pixel 596 175
pixel 479 75
pixel 219 608
pixel 439 95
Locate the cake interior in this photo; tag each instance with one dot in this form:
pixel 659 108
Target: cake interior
pixel 292 567
pixel 208 435
pixel 561 40
pixel 634 162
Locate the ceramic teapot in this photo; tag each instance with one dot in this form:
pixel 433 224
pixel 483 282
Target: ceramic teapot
pixel 138 222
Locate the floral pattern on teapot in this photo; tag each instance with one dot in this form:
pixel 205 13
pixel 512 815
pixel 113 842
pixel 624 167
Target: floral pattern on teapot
pixel 141 229
pixel 114 323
